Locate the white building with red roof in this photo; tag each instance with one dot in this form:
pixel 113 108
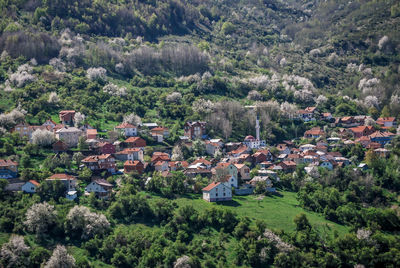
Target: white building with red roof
pixel 387 122
pixel 217 191
pixel 126 129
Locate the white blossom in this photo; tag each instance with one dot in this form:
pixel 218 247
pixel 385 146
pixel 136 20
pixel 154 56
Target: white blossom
pixel 288 109
pixel 369 121
pixel 202 106
pixel 79 119
pixel 40 217
pixel 182 262
pixel 60 259
pixel 15 253
pixel 53 98
pixel 283 62
pixel 114 90
pixel 280 244
pixel 96 74
pixel 254 95
pixel 42 137
pixel 371 101
pixel 191 79
pixel 303 95
pixel 22 76
pixel 81 219
pixel 12 118
pixel 383 42
pixel 177 154
pixel 7 86
pixel 33 62
pixel 315 52
pixel 333 58
pixel 352 67
pixel 132 119
pixel 120 68
pixel 173 97
pixel 4 55
pixel 363 234
pixel 321 100
pixel 57 64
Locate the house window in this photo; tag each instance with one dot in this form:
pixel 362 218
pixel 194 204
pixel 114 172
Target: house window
pixel 216 194
pixel 224 194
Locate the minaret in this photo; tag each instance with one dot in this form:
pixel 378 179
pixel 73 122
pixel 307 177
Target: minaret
pixel 257 129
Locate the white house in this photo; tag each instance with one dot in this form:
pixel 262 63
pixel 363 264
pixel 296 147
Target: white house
pixel 217 191
pixel 100 187
pixel 230 181
pixel 30 186
pixel 70 135
pixel 126 129
pixel 307 147
pixel 326 164
pixel 161 166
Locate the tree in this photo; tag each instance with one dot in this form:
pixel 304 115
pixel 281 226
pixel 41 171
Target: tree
pixel 43 137
pixel 302 223
pixel 40 218
pixel 49 189
pixel 15 253
pixel 132 119
pixel 83 223
pixel 60 259
pixel 85 174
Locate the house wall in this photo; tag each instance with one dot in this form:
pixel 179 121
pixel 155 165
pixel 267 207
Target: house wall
pixel 29 187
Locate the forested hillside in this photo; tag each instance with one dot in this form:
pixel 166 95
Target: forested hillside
pixel 224 62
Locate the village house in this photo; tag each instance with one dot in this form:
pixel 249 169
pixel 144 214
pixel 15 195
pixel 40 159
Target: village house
pixel 202 161
pixel 360 131
pixel 327 116
pixel 307 147
pixel 230 181
pixel 347 122
pixel 161 166
pixel 134 166
pixel 283 149
pixel 126 129
pixel 262 156
pixel 314 133
pixel 212 147
pixel 239 151
pixel 217 191
pixel 159 133
pixel 288 166
pixel 264 180
pixel 159 156
pixel 244 158
pixel 194 172
pixel 8 169
pixel 60 146
pixel 14 185
pixel 100 162
pixel 67 117
pixel 69 181
pixel 308 114
pixel 381 137
pixel 70 135
pixel 327 164
pixel 130 154
pixel 135 142
pixel 382 152
pixel 25 130
pixel 387 122
pixel 100 187
pixel 49 123
pixel 105 148
pixel 223 169
pixel 30 186
pixel 243 172
pixel 195 130
pixel 91 134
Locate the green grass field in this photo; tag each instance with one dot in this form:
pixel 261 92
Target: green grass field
pixel 277 211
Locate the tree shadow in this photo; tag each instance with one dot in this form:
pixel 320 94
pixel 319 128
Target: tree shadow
pixel 231 203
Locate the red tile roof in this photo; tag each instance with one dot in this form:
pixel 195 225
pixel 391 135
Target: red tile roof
pixel 7 163
pixel 211 186
pixel 61 176
pixel 125 125
pixel 34 182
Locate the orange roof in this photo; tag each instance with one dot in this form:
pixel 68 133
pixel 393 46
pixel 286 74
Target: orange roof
pixel 61 176
pixel 386 119
pixel 159 129
pixel 129 150
pixel 6 163
pixel 34 182
pixel 160 163
pixel 125 125
pixel 202 161
pixel 223 165
pixel 91 131
pixel 132 163
pixel 211 186
pixel 133 139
